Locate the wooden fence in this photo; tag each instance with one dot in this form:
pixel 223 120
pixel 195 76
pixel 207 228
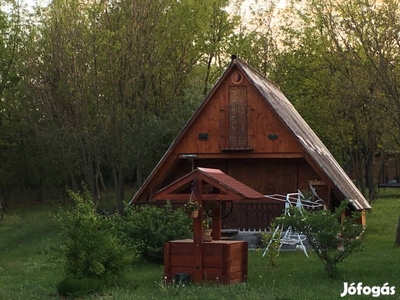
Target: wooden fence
pixel 248 215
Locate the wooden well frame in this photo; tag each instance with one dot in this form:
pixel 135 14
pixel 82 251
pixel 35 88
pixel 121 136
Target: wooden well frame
pixel 219 260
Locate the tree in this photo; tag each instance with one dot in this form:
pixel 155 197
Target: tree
pixel 332 237
pixel 256 38
pixel 91 247
pixel 16 149
pixel 146 228
pixel 342 53
pixel 116 80
pixel 219 28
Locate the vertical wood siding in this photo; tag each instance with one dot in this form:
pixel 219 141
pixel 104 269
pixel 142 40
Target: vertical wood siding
pixel 250 215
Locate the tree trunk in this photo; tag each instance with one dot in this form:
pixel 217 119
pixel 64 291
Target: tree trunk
pixel 206 80
pixel 139 176
pixel 1 212
pixel 119 189
pixel 359 171
pixel 89 172
pixel 372 187
pixel 73 182
pixel 397 242
pixel 100 177
pixel 96 180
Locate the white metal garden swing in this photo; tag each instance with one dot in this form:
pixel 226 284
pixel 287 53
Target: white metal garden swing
pixel 291 237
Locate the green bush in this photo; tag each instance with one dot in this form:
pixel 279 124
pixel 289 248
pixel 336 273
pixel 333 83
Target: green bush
pixel 332 240
pixel 91 247
pixel 274 244
pixel 72 287
pixel 146 228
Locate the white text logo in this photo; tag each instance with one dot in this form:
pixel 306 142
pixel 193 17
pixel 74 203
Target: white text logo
pixel 376 291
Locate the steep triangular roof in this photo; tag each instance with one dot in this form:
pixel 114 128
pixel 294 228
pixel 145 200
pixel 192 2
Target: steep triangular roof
pixel 306 137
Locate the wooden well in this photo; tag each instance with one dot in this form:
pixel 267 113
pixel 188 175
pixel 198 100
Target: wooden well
pixel 218 261
pixel 222 261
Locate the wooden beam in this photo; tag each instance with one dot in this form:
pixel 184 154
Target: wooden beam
pixel 216 223
pixel 316 182
pixel 186 197
pixel 318 170
pixel 198 235
pixel 162 194
pixel 166 260
pixel 247 155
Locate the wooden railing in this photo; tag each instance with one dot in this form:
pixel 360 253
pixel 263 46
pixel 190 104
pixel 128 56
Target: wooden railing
pixel 249 215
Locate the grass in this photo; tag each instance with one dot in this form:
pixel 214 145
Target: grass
pixel 31 264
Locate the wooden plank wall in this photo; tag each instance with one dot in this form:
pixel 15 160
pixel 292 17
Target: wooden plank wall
pixel 178 258
pixel 252 215
pixel 249 215
pixel 225 262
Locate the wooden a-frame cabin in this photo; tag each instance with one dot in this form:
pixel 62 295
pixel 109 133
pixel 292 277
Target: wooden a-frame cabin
pixel 249 130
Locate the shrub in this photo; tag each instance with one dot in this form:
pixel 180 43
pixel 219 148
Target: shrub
pixel 91 244
pixel 72 287
pixel 147 228
pixel 332 240
pixel 273 243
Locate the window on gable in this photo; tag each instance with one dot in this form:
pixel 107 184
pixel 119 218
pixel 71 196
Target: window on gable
pixel 235 131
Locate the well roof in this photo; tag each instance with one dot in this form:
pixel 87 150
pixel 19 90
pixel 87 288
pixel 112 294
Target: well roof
pixel 216 178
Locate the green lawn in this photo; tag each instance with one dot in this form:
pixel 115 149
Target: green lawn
pixel 31 264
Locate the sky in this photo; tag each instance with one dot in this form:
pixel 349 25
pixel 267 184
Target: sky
pixel 33 2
